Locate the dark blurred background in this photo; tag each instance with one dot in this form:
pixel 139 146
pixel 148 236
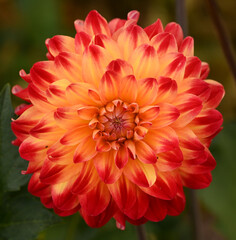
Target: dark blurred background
pixel 24 26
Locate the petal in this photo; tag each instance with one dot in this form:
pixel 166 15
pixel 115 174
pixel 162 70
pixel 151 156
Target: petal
pixel 62 197
pixel 168 161
pixel 95 24
pixel 167 115
pixel 167 90
pixel 95 201
pixel 68 66
pixel 149 113
pixel 34 149
pixel 130 38
pixel 157 210
pixel 145 153
pixel 20 92
pixel 85 151
pixel 115 24
pixel 76 135
pixel 121 67
pixel 122 157
pixel 164 43
pixel 79 25
pixel 128 89
pixel 56 93
pixel 145 61
pixel 164 188
pixel 109 86
pixel 87 179
pixel 173 65
pixel 193 67
pixel 124 193
pixel 88 112
pixel 47 129
pixel 109 44
pixel 43 73
pixel 59 44
pixel 154 29
pixel 187 47
pixel 95 59
pixel 204 70
pixel 106 167
pixel 207 123
pixel 147 91
pixel 189 107
pixel 82 40
pixel 216 95
pixel 176 30
pixel 162 140
pixel 139 173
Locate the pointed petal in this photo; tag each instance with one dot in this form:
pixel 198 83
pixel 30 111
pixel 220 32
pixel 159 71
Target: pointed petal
pixel 59 44
pixel 95 201
pixel 162 140
pixel 189 107
pixel 204 70
pixel 106 167
pixel 187 47
pixel 145 61
pixel 157 210
pixel 147 91
pixel 139 173
pixel 122 157
pixel 130 38
pixel 167 115
pixel 128 89
pixel 164 43
pixel 154 29
pixel 193 67
pixel 149 113
pixel 115 24
pixel 176 30
pixel 95 24
pixel 121 67
pixel 95 59
pixel 145 153
pixel 85 150
pixel 82 40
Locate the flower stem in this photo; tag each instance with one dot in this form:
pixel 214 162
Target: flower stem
pixel 141 232
pixel 223 36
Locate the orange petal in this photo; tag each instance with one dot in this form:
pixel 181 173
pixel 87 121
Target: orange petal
pixel 88 112
pixel 130 38
pixel 95 24
pixel 147 91
pixel 122 157
pixel 121 67
pixel 164 43
pixel 176 30
pixel 154 29
pixel 145 153
pixel 106 167
pixel 187 47
pixel 139 173
pixel 76 135
pixel 145 61
pixel 128 89
pixel 95 60
pixel 162 140
pixel 109 86
pixel 167 115
pixel 149 113
pixel 59 44
pixel 85 150
pixel 82 40
pixel 189 107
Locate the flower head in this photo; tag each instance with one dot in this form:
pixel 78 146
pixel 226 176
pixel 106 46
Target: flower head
pixel 119 119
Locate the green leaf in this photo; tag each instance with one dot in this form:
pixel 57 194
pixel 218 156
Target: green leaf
pixel 11 164
pixel 23 217
pixel 220 197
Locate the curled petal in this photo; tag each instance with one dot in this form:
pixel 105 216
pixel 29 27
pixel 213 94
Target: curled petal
pixel 88 112
pixel 154 29
pixel 20 92
pixel 176 30
pixel 139 173
pixel 164 43
pixel 95 24
pixel 134 15
pixel 59 44
pixel 149 113
pixel 106 167
pixel 145 61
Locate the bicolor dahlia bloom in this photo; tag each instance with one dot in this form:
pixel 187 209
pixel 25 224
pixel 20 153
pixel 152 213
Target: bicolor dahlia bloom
pixel 119 119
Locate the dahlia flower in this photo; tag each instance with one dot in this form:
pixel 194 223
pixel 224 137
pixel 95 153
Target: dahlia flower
pixel 119 119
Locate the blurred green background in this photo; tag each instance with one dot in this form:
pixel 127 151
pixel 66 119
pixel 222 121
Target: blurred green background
pixel 24 26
